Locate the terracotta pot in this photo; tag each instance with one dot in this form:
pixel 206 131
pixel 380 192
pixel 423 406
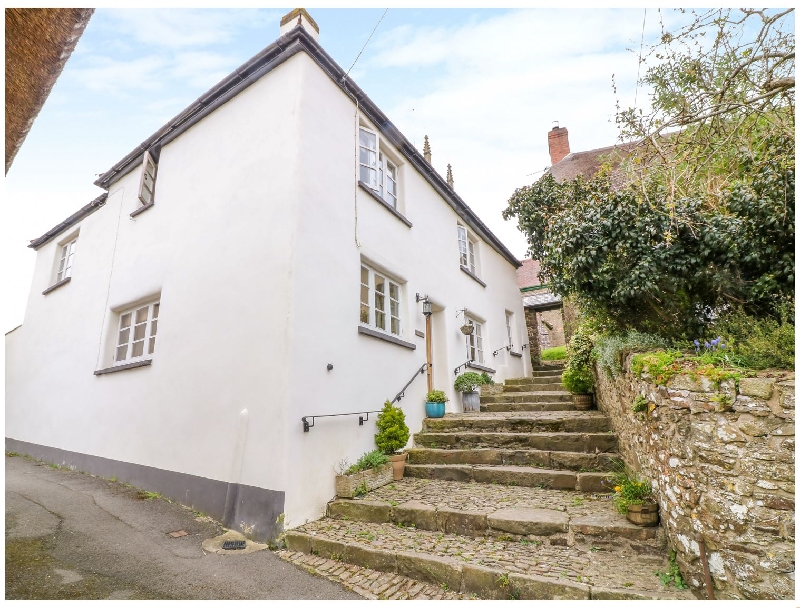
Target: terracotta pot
pixel 398 465
pixel 349 486
pixel 582 402
pixel 643 515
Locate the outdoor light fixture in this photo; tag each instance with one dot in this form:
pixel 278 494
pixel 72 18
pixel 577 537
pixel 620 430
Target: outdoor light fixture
pixel 427 308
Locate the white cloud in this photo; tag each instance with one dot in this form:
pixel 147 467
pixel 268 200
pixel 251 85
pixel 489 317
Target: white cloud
pixel 120 78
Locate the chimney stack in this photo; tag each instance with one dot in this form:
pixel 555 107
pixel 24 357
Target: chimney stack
pixel 426 150
pixel 450 176
pixel 558 143
pixel 299 16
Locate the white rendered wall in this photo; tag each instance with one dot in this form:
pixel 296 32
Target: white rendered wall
pixel 329 252
pixel 218 245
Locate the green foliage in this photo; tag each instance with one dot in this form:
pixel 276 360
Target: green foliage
pixel 611 350
pixel 487 379
pixel 392 429
pixel 673 575
pixel 639 404
pixel 759 343
pixel 554 354
pixel 436 397
pixel 629 490
pixel 577 377
pixel 662 366
pixel 367 461
pixel 468 382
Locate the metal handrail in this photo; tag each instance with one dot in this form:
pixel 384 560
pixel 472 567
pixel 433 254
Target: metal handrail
pixel 362 419
pixel 464 365
pixel 402 392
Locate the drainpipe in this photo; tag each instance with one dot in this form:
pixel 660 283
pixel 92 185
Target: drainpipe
pixel 232 496
pixel 429 347
pixel 709 583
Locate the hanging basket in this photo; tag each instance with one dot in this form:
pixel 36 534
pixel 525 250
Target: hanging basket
pixel 467 329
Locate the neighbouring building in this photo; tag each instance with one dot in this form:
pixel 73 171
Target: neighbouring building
pixel 543 309
pixel 261 259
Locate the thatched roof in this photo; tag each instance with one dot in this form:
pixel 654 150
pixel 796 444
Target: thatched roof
pixel 588 163
pixel 38 43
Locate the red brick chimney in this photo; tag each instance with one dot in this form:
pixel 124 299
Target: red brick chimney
pixel 558 142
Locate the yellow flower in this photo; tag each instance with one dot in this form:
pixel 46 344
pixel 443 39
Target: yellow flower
pixel 617 489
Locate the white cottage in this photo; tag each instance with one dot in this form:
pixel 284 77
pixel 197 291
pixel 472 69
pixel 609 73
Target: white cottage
pixel 261 259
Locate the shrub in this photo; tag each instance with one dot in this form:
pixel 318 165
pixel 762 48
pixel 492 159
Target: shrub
pixel 577 377
pixel 468 382
pixel 554 354
pixel 367 461
pixel 487 379
pixel 759 343
pixel 639 404
pixel 610 351
pixel 578 380
pixel 436 397
pixel 392 429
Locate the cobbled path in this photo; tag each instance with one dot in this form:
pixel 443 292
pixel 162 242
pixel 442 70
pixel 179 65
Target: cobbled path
pixel 368 583
pixel 591 565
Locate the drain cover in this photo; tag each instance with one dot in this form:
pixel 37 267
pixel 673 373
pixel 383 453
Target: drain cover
pixel 178 534
pixel 232 545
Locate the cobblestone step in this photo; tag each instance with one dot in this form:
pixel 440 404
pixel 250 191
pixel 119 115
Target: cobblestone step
pixel 520 422
pixel 536 376
pixel 504 567
pixel 571 461
pixel 513 475
pixel 565 442
pixel 534 387
pixel 528 397
pixel 557 406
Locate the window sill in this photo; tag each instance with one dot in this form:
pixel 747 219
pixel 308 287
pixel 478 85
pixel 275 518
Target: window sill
pixel 513 354
pixel 120 368
pixel 386 205
pixel 142 209
pixel 385 337
pixel 480 367
pixel 56 285
pixel 473 275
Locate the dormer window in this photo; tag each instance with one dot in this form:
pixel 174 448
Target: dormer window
pixel 147 187
pixel 375 168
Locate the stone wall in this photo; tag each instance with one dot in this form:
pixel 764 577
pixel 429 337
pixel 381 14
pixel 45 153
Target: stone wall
pixel 555 333
pixel 533 337
pixel 722 468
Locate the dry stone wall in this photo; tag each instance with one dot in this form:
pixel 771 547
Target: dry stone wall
pixel 721 461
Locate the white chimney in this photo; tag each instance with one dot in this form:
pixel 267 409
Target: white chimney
pixel 299 16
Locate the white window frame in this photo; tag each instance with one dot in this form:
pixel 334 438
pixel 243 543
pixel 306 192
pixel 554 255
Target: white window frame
pixel 380 171
pixel 467 245
pixel 474 341
pixel 66 255
pixel 147 185
pixel 379 306
pixel 509 328
pixel 129 341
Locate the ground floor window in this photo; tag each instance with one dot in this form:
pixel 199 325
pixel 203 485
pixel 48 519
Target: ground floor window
pixel 475 341
pixel 380 301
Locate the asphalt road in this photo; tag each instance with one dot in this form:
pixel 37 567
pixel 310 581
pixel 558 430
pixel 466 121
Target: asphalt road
pixel 71 536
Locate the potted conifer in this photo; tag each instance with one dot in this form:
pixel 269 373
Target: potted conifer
pixel 392 437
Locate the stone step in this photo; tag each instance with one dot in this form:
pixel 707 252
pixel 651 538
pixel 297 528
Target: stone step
pixel 571 422
pixel 538 387
pixel 559 406
pixel 558 367
pixel 575 461
pixel 535 377
pixel 522 476
pixel 531 397
pixel 565 442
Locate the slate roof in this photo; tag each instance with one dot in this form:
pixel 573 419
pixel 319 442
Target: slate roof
pixel 541 300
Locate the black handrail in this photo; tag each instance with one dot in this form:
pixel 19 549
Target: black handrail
pixel 464 365
pixel 362 419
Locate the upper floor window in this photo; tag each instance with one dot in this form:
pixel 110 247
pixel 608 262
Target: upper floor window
pixel 136 335
pixel 380 302
pixel 375 168
pixel 466 249
pixel 65 261
pixel 147 187
pixel 475 341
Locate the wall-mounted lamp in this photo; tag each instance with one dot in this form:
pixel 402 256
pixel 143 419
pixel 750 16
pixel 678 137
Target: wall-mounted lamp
pixel 427 308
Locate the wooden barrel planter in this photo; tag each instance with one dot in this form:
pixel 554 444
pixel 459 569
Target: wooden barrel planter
pixel 643 515
pixel 582 402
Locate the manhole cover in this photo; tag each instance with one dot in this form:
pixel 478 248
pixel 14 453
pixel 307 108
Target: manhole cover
pixel 178 534
pixel 232 545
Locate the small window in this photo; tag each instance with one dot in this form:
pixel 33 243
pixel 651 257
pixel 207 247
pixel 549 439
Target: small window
pixel 466 249
pixel 510 343
pixel 136 335
pixel 380 302
pixel 375 168
pixel 65 261
pixel 475 341
pixel 147 188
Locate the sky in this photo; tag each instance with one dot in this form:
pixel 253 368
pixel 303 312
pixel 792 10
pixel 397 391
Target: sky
pixel 485 86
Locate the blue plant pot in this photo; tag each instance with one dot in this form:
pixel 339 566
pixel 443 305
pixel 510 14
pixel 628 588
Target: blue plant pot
pixel 434 410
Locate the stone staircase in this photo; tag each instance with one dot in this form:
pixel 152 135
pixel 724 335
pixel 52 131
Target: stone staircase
pixel 508 502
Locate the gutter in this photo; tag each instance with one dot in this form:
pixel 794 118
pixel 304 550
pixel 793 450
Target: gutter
pixel 73 219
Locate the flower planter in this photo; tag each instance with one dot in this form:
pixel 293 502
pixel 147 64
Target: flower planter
pixel 582 402
pixel 398 462
pixel 348 486
pixel 643 515
pixel 471 401
pixel 434 410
